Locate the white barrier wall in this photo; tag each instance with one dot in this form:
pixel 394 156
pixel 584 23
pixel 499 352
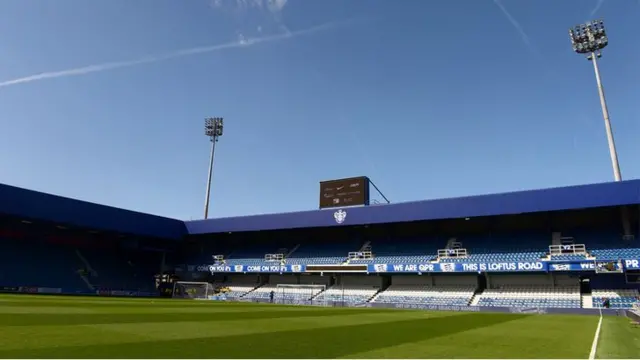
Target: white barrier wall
pixel 411 280
pixel 360 280
pixel 468 280
pixel 565 280
pixel 243 279
pixel 283 279
pixel 315 279
pixel 494 281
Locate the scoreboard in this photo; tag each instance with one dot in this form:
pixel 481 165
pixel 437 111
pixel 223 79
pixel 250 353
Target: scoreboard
pixel 344 192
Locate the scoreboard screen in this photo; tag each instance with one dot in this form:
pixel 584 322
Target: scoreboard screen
pixel 344 192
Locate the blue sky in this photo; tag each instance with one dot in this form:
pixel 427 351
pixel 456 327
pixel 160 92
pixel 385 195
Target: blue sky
pixel 429 98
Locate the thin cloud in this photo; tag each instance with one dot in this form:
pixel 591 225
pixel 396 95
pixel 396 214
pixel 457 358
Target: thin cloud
pixel 241 42
pixel 269 10
pixel 523 35
pixel 595 9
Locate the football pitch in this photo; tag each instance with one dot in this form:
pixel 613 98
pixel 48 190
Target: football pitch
pixel 75 327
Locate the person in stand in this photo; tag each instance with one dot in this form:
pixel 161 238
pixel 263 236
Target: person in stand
pixel 271 295
pixel 606 303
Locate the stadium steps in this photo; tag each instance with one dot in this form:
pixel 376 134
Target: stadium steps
pixel 586 301
pixel 318 294
pixel 374 297
pixel 292 251
pixel 366 246
pixel 475 299
pixel 252 290
pixel 87 282
pixel 86 263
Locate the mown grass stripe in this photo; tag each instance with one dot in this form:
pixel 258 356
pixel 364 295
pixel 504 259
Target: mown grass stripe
pixel 329 342
pixel 106 318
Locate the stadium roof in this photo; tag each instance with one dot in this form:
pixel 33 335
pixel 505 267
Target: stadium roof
pixel 28 204
pixel 34 205
pixel 564 198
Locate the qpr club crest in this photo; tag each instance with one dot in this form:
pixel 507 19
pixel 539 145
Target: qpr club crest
pixel 380 267
pixel 340 216
pixel 448 267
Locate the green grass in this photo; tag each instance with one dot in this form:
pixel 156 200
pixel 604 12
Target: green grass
pixel 70 327
pixel 618 339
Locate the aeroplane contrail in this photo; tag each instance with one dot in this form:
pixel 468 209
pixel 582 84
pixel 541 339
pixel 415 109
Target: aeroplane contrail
pixel 595 9
pixel 517 26
pixel 171 55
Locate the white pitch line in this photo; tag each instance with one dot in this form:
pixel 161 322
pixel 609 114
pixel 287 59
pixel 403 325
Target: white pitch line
pixel 594 345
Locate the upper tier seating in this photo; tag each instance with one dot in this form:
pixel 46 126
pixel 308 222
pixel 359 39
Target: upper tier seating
pixel 517 248
pixel 330 252
pixel 39 264
pixel 316 260
pixel 457 295
pixel 531 296
pixel 565 257
pixel 404 251
pixel 251 256
pixel 118 269
pixel 618 299
pixel 348 293
pixel 608 246
pixel 251 262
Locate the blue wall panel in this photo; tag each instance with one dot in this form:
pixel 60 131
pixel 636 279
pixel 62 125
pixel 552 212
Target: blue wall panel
pixel 36 205
pixel 565 198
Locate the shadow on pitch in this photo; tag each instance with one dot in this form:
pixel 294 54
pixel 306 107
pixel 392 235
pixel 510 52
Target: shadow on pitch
pixel 325 343
pixel 19 319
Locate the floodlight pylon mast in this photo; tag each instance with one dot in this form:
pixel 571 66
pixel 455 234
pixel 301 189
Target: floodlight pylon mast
pixel 589 39
pixel 607 121
pixel 213 129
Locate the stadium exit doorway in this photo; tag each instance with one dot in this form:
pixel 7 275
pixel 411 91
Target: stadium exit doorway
pixel 482 282
pixel 585 285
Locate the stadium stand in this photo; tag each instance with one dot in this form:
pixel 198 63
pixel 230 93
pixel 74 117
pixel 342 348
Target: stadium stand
pixel 531 296
pixel 282 295
pixel 607 246
pixel 236 290
pixel 619 299
pixel 456 295
pixel 489 251
pixel 24 259
pixel 351 294
pixel 403 250
pixel 328 252
pixel 504 248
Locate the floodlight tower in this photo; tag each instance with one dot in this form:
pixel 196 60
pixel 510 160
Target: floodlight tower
pixel 589 39
pixel 212 129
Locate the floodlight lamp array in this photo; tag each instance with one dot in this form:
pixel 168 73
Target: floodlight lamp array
pixel 588 38
pixel 213 127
